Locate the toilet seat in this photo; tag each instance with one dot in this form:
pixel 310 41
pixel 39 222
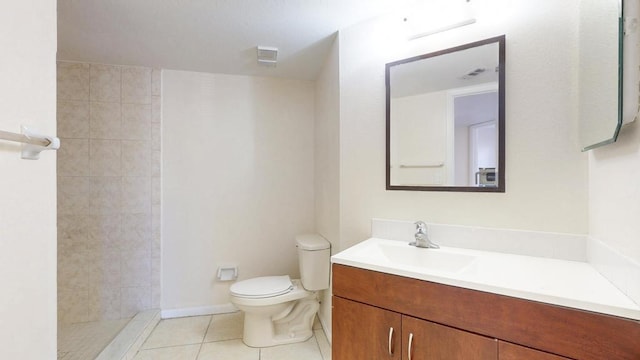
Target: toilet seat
pixel 262 287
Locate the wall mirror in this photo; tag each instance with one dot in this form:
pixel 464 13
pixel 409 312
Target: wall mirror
pixel 600 116
pixel 446 119
pixel 608 54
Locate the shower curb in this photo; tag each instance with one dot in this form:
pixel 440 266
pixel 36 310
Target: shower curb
pixel 126 344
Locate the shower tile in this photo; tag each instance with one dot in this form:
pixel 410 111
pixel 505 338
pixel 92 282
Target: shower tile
pixel 73 269
pixel 105 231
pixel 73 232
pixel 105 269
pixel 105 120
pixel 105 157
pixel 156 109
pixel 73 305
pixel 106 201
pixel 155 296
pixel 156 163
pixel 105 83
pixel 73 119
pixel 73 81
pixel 156 82
pixel 83 341
pixel 228 350
pixel 156 244
pixel 225 327
pixel 155 280
pixel 136 85
pixel 136 121
pixel 73 157
pixel 136 158
pixel 104 303
pixel 136 195
pixel 136 270
pixel 155 136
pixel 135 299
pixel 136 233
pixel 106 195
pixel 73 195
pixel 156 191
pixel 156 232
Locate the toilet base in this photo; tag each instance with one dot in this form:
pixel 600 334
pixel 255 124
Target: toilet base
pixel 294 324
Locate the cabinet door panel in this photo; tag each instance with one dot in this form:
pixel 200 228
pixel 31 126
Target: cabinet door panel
pixel 437 342
pixel 508 351
pixel 361 332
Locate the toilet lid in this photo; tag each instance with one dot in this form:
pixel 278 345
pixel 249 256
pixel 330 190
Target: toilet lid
pixel 262 287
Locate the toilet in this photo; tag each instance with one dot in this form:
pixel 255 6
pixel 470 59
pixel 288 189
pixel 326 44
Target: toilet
pixel 279 310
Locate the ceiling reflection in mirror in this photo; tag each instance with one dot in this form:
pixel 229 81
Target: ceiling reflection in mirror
pixel 445 119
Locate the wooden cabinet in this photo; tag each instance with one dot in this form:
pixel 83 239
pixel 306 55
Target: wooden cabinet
pixel 510 351
pixel 449 322
pixel 366 332
pixel 426 340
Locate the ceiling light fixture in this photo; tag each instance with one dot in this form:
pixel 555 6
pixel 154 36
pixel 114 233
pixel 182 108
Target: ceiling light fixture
pixel 437 16
pixel 267 55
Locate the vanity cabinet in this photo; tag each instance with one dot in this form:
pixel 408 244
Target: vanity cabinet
pixel 510 351
pixel 367 332
pixel 425 340
pixel 449 322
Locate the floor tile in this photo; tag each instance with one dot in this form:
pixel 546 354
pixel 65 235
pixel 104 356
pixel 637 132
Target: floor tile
pixel 307 350
pixel 181 331
pixel 316 324
pixel 323 343
pixel 225 327
pixel 217 337
pixel 228 350
pixel 185 352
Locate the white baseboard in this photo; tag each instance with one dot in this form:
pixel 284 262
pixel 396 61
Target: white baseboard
pixel 197 311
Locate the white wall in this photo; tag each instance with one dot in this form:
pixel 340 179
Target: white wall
pixel 418 141
pixel 28 188
pixel 327 162
pixel 238 181
pixel 541 128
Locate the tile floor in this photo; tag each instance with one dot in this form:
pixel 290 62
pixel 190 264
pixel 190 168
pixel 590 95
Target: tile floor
pixel 219 337
pixel 84 341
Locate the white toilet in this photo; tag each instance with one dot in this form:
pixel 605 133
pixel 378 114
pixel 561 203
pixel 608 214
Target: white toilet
pixel 279 310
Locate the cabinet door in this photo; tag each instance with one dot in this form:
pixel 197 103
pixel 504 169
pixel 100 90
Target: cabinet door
pixel 508 351
pixel 363 332
pixel 423 340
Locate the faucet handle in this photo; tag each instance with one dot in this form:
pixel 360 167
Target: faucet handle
pixel 421 226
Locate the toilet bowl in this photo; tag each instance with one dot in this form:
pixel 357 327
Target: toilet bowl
pixel 279 310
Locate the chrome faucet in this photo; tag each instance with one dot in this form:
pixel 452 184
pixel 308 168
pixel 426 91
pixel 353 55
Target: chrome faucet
pixel 422 237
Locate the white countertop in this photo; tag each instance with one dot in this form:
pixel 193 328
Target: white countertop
pixel 567 283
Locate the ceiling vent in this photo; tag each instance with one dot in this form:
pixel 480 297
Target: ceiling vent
pixel 267 55
pixel 472 74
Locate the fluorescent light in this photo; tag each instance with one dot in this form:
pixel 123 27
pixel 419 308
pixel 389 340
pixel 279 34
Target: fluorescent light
pixel 431 17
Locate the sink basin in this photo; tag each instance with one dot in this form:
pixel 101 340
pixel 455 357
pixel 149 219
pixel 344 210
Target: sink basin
pixel 431 259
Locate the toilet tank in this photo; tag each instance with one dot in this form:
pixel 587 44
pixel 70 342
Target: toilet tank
pixel 314 252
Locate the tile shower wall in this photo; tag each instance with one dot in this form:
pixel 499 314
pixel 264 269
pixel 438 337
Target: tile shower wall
pixel 108 191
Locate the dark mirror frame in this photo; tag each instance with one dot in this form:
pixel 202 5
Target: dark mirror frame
pixel 501 119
